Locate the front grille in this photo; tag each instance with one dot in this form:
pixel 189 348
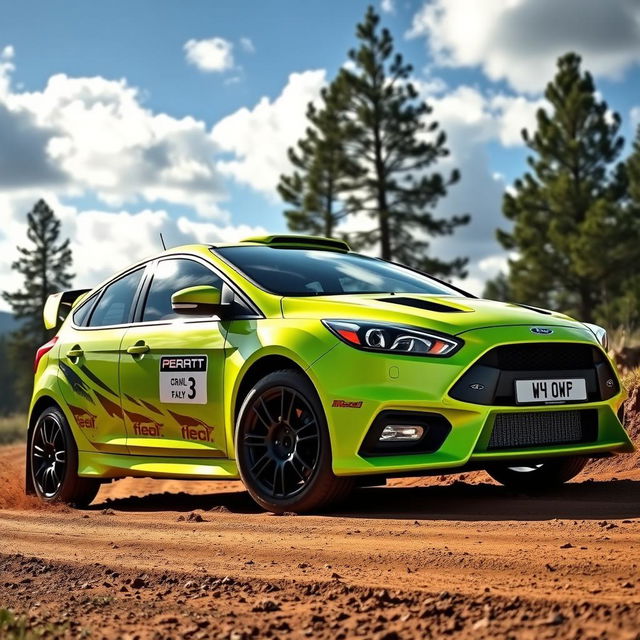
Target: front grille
pixel 491 380
pixel 546 428
pixel 541 357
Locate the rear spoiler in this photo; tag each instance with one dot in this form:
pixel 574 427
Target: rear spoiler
pixel 58 305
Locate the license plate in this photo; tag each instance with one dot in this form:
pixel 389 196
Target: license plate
pixel 565 390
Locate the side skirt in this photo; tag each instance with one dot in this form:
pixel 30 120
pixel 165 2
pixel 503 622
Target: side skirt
pixel 93 464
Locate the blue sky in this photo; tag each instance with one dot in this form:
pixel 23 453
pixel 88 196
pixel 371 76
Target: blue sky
pixel 121 128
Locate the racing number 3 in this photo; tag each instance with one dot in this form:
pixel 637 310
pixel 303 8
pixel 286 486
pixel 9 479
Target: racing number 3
pixel 183 379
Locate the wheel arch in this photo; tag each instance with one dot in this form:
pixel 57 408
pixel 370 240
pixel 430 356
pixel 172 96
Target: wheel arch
pixel 260 367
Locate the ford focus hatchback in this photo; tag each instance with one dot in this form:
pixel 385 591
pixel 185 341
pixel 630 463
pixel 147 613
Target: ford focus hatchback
pixel 305 369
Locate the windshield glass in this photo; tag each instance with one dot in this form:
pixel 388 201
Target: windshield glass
pixel 307 272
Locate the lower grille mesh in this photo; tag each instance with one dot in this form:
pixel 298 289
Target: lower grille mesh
pixel 521 430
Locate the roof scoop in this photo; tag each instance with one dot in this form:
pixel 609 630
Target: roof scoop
pixel 426 305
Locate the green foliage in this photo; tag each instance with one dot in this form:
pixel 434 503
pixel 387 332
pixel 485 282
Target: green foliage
pixel 13 627
pixel 574 235
pixel 395 145
pixel 498 288
pixel 13 428
pixel 369 149
pixel 45 267
pixel 317 191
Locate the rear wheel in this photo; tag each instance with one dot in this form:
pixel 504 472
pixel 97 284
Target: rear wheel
pixel 537 476
pixel 283 447
pixel 53 458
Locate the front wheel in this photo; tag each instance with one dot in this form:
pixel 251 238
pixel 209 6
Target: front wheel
pixel 283 448
pixel 53 460
pixel 538 476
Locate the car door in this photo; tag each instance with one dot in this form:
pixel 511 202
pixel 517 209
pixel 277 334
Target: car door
pixel 89 357
pixel 171 369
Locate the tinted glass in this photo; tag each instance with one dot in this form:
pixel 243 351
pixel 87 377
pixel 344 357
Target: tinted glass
pixel 81 316
pixel 305 272
pixel 171 276
pixel 114 306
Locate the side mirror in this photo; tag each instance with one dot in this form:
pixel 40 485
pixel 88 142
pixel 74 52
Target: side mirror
pixel 202 300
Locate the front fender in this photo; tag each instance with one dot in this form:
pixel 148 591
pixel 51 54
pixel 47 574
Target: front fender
pixel 249 341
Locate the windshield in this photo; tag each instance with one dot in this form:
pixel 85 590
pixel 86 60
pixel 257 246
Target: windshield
pixel 307 272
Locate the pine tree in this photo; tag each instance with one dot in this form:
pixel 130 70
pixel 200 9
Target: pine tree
pixel 45 266
pixel 395 145
pixel 573 236
pixel 497 288
pixel 317 190
pixel 624 309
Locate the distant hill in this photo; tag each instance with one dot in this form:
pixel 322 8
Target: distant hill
pixel 7 322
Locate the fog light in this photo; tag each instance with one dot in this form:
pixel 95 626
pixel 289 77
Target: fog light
pixel 401 433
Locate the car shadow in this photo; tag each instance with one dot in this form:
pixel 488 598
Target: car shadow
pixel 588 500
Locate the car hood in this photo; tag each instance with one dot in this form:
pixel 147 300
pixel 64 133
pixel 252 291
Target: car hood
pixel 450 314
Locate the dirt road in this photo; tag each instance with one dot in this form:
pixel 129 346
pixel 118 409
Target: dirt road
pixel 465 559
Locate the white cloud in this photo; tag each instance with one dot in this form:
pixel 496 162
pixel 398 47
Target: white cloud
pixel 634 117
pixel 387 6
pixel 259 137
pixel 520 40
pixel 471 120
pixel 95 135
pixel 104 242
pixel 212 55
pixel 247 45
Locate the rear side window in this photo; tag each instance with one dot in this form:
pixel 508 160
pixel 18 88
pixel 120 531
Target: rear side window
pixel 114 306
pixel 171 276
pixel 81 316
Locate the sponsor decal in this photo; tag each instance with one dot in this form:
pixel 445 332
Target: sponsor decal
pixel 113 410
pixel 151 407
pixel 76 383
pixel 144 426
pixel 83 418
pixel 193 428
pixel 94 378
pixel 346 404
pixel 610 383
pixel 130 399
pixel 183 379
pixel 541 331
pixel 476 386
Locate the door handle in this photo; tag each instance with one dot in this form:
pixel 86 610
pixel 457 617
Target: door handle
pixel 138 349
pixel 76 352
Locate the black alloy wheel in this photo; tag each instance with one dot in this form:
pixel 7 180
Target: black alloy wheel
pixel 283 441
pixel 283 446
pixel 49 456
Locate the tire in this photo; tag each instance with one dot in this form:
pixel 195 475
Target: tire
pixel 283 448
pixel 538 476
pixel 53 462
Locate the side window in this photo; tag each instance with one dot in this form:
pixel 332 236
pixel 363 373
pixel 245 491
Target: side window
pixel 114 306
pixel 81 315
pixel 171 276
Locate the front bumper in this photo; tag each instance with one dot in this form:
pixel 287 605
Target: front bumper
pixel 355 387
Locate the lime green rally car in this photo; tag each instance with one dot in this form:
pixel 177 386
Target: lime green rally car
pixel 305 369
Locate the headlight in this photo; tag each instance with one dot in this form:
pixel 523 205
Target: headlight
pixel 600 333
pixel 391 338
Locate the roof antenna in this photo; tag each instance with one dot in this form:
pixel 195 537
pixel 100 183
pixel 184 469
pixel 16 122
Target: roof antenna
pixel 164 246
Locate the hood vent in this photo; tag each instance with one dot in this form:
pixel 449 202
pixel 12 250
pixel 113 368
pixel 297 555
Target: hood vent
pixel 418 303
pixel 536 309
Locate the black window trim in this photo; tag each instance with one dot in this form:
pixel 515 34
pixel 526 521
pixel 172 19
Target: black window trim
pixel 142 291
pixel 100 293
